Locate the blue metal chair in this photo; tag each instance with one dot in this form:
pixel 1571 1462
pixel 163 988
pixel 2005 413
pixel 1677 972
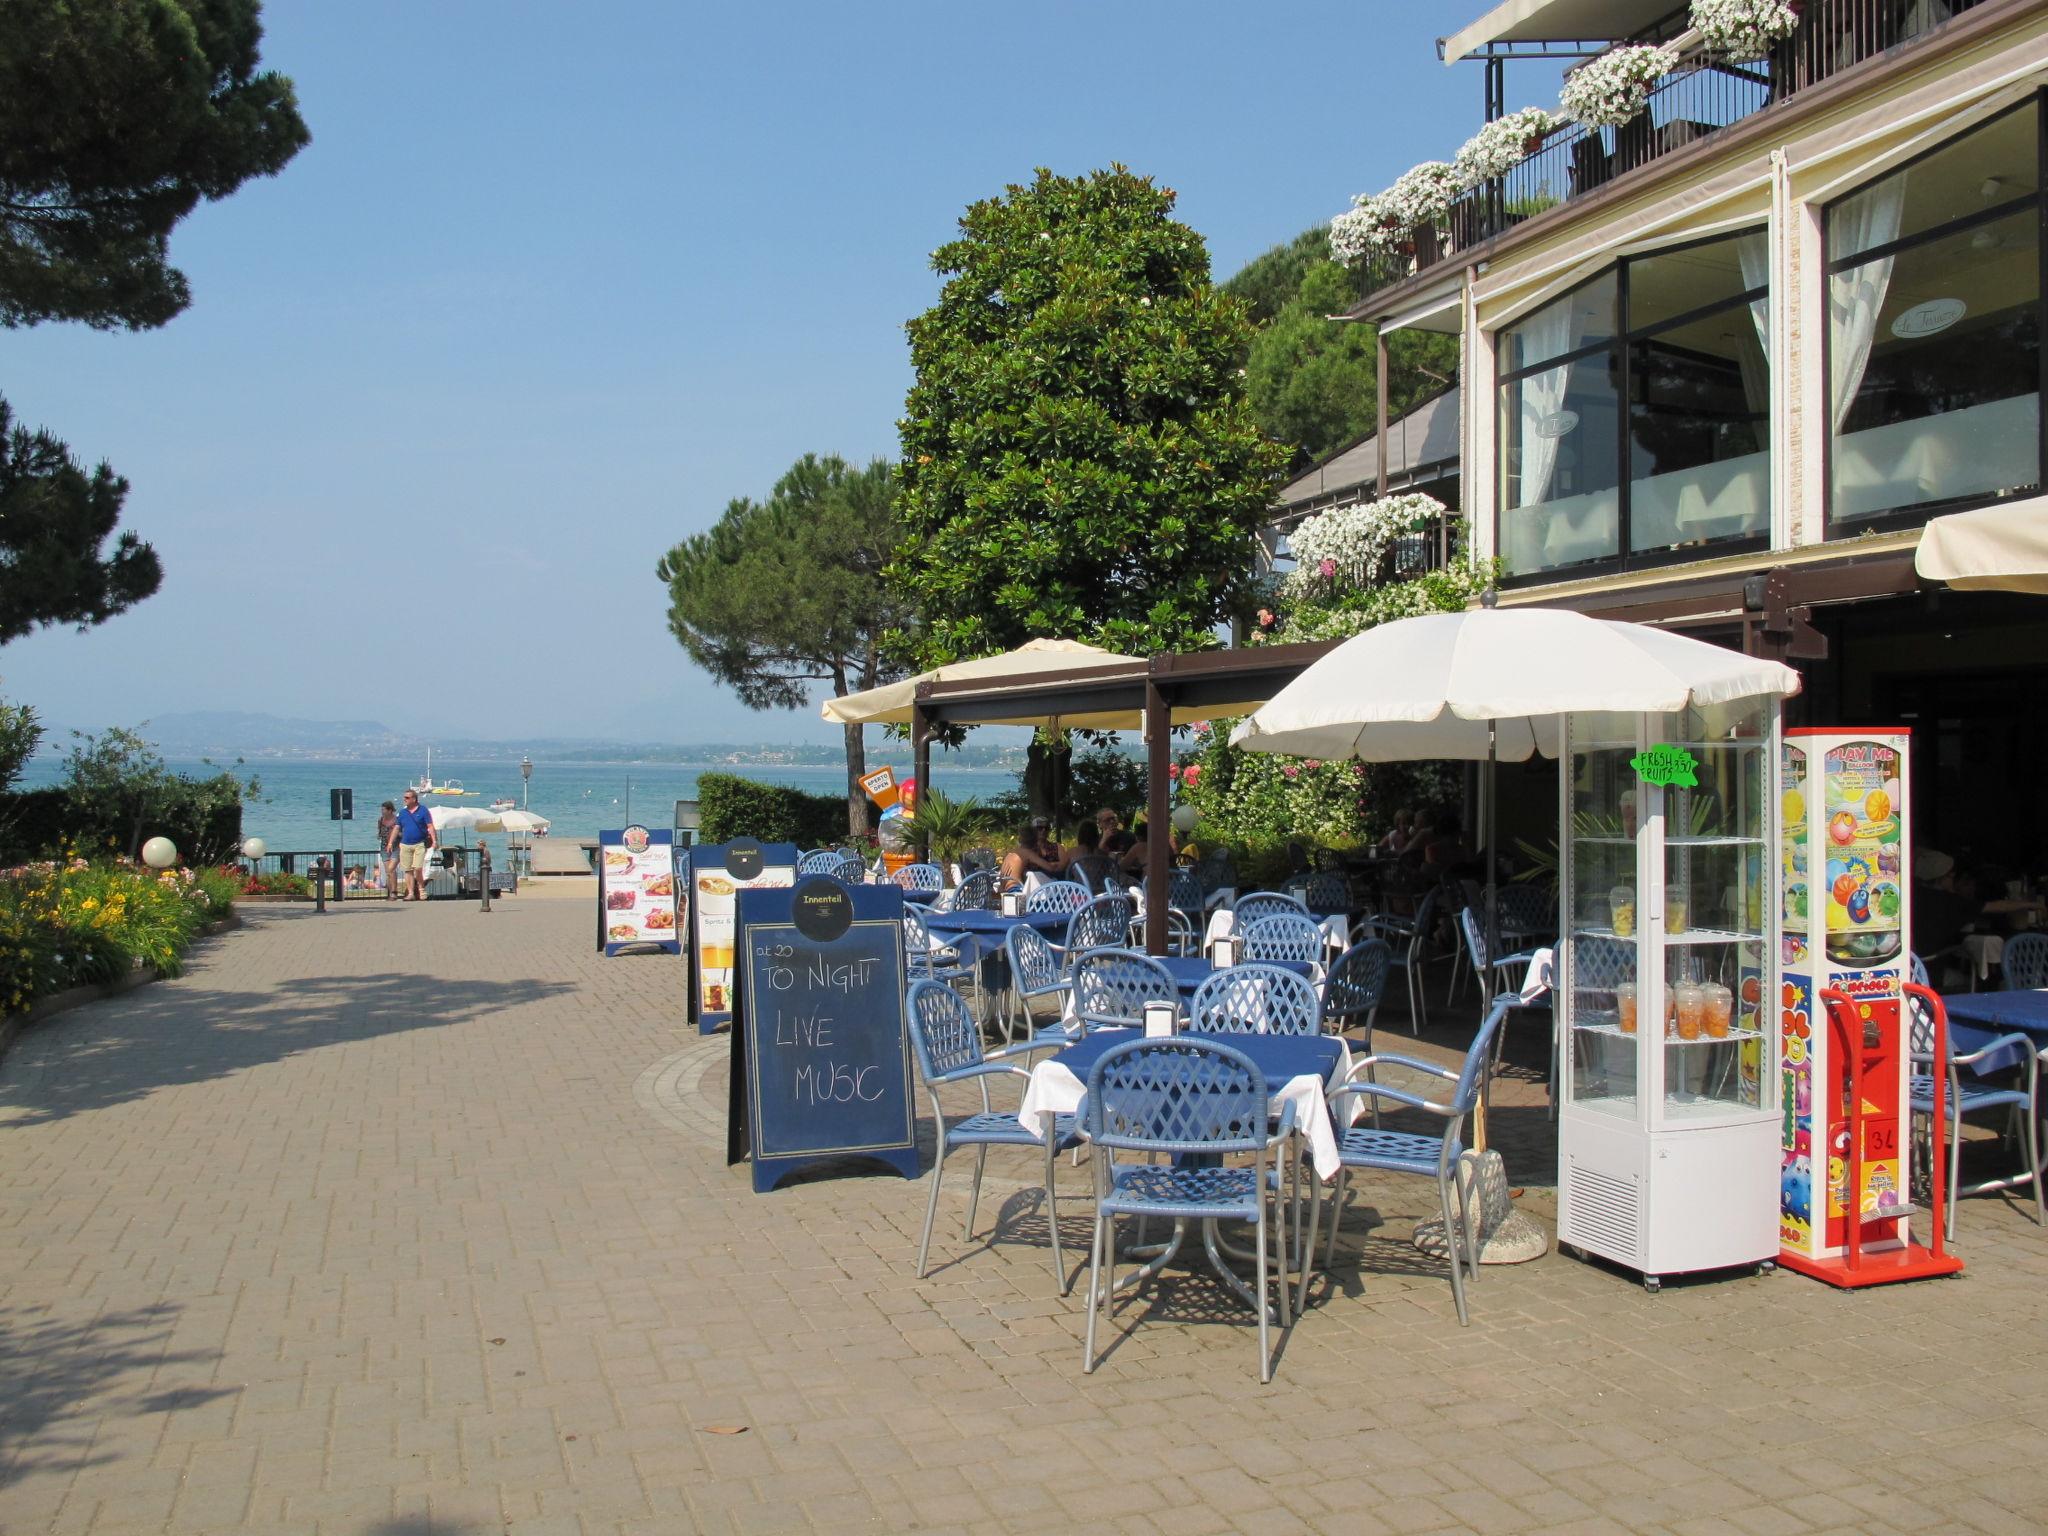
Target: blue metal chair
pixel 1105 923
pixel 1194 1100
pixel 1409 940
pixel 819 861
pixel 1253 905
pixel 2026 962
pixel 1383 1151
pixel 1528 912
pixel 976 892
pixel 1352 990
pixel 852 870
pixel 1326 894
pixel 1255 1000
pixel 1968 1094
pixel 1095 873
pixel 1286 936
pixel 1057 896
pixel 948 1045
pixel 926 960
pixel 1112 987
pixel 1037 969
pixel 1484 966
pixel 1216 873
pixel 919 877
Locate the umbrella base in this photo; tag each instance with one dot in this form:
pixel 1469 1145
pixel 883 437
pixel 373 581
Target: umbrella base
pixel 1505 1235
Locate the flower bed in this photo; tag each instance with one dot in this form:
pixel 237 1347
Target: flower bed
pixel 65 925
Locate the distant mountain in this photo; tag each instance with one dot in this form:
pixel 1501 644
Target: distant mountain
pixel 238 733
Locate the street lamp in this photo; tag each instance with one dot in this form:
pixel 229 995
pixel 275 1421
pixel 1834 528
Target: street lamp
pixel 159 853
pixel 525 780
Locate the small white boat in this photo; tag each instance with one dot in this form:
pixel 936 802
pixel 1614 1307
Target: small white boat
pixel 426 785
pixel 505 805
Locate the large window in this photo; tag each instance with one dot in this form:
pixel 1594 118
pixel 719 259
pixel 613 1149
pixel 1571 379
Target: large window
pixel 1934 329
pixel 1635 411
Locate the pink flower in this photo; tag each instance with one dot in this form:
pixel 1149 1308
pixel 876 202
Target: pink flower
pixel 1173 770
pixel 1312 763
pixel 1191 775
pixel 1290 769
pixel 1201 727
pixel 1265 618
pixel 1328 568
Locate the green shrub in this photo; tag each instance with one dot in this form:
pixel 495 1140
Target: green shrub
pixel 732 807
pixel 276 882
pixel 218 888
pixel 71 924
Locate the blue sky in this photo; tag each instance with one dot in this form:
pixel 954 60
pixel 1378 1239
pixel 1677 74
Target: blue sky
pixel 553 283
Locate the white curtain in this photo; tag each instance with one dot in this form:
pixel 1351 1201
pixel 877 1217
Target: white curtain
pixel 1855 296
pixel 1544 334
pixel 1754 252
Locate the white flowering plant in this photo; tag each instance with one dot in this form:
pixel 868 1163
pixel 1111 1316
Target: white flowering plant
pixel 1346 546
pixel 1502 145
pixel 1742 30
pixel 1362 229
pixel 1610 90
pixel 1420 194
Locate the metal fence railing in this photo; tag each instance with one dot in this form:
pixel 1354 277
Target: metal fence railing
pixel 1693 102
pixel 452 870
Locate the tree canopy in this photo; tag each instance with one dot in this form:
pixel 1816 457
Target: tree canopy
pixel 116 118
pixel 55 521
pixel 1079 460
pixel 1313 382
pixel 780 594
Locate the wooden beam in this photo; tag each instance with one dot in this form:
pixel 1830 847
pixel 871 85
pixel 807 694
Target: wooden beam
pixel 1158 814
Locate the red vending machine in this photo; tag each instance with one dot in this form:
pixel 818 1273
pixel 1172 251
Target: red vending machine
pixel 1845 921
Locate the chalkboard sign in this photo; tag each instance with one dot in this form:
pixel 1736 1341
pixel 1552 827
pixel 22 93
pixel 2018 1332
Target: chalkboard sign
pixel 718 873
pixel 820 1059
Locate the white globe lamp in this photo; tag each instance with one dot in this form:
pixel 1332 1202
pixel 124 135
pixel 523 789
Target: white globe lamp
pixel 254 848
pixel 1184 818
pixel 159 853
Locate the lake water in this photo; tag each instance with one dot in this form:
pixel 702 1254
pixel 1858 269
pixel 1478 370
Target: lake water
pixel 577 798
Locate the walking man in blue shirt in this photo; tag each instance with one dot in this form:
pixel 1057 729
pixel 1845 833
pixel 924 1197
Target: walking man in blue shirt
pixel 416 839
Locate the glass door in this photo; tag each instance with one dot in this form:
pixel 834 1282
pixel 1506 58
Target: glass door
pixel 1602 914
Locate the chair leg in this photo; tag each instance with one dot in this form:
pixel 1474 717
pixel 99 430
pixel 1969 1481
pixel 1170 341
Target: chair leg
pixel 1308 1247
pixel 974 1194
pixel 1454 1238
pixel 1281 1230
pixel 2034 1163
pixel 1052 1212
pixel 1336 1215
pixel 1259 1290
pixel 931 1206
pixel 1955 1168
pixel 1094 1290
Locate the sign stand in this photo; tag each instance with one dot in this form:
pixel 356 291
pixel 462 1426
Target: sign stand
pixel 820 1053
pixel 718 872
pixel 638 897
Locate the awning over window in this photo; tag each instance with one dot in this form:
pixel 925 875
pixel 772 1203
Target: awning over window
pixel 1994 549
pixel 1555 21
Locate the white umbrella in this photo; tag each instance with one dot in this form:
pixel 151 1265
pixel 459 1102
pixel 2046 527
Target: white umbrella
pixel 1996 549
pixel 476 818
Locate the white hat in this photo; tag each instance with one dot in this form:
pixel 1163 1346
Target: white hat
pixel 1932 863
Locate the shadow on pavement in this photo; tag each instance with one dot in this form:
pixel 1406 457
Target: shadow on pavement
pixel 54 1377
pixel 166 1035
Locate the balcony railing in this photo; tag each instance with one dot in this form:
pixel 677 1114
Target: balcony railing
pixel 1699 98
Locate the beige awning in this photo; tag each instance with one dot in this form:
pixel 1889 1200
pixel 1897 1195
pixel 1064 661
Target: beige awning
pixel 1993 549
pixel 890 704
pixel 1555 21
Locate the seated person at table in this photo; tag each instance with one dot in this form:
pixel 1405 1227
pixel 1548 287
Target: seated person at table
pixel 1396 840
pixel 1109 828
pixel 1028 855
pixel 1944 908
pixel 1133 859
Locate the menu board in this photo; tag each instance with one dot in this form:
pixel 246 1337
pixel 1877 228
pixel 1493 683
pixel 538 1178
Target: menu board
pixel 820 1053
pixel 638 898
pixel 718 873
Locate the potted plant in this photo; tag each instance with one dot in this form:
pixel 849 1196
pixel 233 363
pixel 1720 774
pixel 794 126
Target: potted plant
pixel 1744 30
pixel 949 827
pixel 1502 145
pixel 1609 91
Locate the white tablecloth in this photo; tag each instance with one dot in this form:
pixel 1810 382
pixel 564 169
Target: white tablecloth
pixel 1053 1090
pixel 1336 930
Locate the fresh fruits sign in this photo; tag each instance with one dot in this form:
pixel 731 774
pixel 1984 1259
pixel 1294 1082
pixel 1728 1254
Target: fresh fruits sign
pixel 1667 764
pixel 1864 899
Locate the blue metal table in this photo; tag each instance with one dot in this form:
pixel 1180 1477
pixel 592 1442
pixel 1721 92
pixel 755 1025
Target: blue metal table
pixel 1190 971
pixel 1975 1019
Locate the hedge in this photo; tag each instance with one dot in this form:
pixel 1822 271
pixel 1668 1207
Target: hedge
pixel 731 807
pixel 38 823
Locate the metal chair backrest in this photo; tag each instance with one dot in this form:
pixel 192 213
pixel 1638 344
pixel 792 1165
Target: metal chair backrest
pixel 1599 964
pixel 1479 1059
pixel 1283 936
pixel 1104 923
pixel 1524 908
pixel 1216 872
pixel 1033 964
pixel 1184 893
pixel 1176 1095
pixel 1095 873
pixel 1254 905
pixel 2026 962
pixel 917 942
pixel 977 892
pixel 919 877
pixel 1112 987
pixel 1326 894
pixel 1057 896
pixel 979 858
pixel 853 869
pixel 942 1030
pixel 1255 1000
pixel 1472 925
pixel 1356 983
pixel 819 861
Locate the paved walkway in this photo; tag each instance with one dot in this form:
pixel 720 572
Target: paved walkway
pixel 403 1220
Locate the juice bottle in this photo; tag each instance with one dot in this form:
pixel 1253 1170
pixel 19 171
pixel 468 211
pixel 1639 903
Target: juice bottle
pixel 1719 1005
pixel 1691 1006
pixel 1625 1005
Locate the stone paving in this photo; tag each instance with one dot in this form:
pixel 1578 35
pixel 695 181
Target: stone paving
pixel 407 1220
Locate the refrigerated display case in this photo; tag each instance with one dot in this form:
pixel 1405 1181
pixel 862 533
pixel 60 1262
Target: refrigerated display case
pixel 1668 1135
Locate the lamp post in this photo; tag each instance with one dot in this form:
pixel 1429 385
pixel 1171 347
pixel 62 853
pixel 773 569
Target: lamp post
pixel 525 781
pixel 159 853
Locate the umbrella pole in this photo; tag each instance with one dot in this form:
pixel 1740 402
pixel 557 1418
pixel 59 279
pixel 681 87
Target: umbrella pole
pixel 1488 793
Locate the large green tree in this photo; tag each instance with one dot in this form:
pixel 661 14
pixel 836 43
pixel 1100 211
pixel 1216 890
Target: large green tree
pixel 1313 381
pixel 781 594
pixel 116 118
pixel 1079 460
pixel 55 521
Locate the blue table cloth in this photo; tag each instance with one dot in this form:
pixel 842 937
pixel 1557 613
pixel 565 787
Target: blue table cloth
pixel 1975 1019
pixel 1190 971
pixel 945 924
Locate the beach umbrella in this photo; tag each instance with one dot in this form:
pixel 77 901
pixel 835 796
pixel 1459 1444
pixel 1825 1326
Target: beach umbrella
pixel 890 704
pixel 525 823
pixel 1993 549
pixel 477 818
